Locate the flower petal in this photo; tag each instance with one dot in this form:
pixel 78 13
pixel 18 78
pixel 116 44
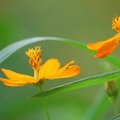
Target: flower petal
pixel 98 45
pixel 48 68
pixel 66 71
pixel 11 83
pixel 19 78
pixel 106 49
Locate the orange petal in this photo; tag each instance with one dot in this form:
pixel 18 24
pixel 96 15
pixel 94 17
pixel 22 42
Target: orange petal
pixel 19 78
pixel 11 83
pixel 66 71
pixel 106 49
pixel 48 68
pixel 98 45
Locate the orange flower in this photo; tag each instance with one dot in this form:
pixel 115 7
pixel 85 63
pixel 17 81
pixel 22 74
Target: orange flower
pixel 106 47
pixel 48 71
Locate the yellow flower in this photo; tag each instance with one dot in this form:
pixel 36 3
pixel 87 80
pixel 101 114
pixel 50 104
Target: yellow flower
pixel 106 47
pixel 48 71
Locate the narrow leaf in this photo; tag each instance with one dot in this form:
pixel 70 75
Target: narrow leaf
pixel 116 117
pixel 98 106
pixel 85 82
pixel 9 50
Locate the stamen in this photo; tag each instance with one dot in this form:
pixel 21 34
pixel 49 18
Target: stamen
pixel 34 55
pixel 116 24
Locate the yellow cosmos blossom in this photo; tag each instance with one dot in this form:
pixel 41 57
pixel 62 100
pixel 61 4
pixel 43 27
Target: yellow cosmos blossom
pixel 48 71
pixel 106 47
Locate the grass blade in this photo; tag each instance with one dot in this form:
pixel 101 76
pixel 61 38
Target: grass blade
pixel 9 50
pixel 99 107
pixel 85 82
pixel 116 117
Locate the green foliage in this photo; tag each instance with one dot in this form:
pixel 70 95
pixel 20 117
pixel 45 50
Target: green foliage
pixel 117 117
pixel 82 83
pixel 9 50
pixel 85 82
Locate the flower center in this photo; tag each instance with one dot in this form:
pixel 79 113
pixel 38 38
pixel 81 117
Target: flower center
pixel 34 55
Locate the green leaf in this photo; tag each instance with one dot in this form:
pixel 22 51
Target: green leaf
pixel 9 50
pixel 85 82
pixel 117 117
pixel 98 106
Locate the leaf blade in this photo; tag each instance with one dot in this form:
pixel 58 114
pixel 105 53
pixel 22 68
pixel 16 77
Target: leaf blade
pixel 9 50
pixel 85 82
pixel 117 117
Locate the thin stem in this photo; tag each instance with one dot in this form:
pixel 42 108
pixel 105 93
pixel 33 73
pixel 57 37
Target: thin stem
pixel 115 108
pixel 46 107
pixel 45 101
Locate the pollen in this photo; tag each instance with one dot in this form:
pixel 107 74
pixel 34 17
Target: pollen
pixel 116 23
pixel 34 55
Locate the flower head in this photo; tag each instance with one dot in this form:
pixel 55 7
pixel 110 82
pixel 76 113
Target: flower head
pixel 112 90
pixel 50 70
pixel 106 47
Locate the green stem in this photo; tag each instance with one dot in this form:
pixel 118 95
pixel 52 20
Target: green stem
pixel 45 101
pixel 115 104
pixel 46 107
pixel 94 108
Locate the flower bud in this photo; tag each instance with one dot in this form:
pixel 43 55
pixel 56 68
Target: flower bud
pixel 111 88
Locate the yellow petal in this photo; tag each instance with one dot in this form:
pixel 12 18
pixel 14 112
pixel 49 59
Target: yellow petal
pixel 8 82
pixel 66 71
pixel 48 68
pixel 106 49
pixel 98 45
pixel 19 78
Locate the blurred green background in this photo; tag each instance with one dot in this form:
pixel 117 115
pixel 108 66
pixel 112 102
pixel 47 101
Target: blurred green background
pixel 81 20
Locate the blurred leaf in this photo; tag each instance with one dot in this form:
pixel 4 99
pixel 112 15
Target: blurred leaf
pixel 9 50
pixel 85 82
pixel 116 117
pixel 98 106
